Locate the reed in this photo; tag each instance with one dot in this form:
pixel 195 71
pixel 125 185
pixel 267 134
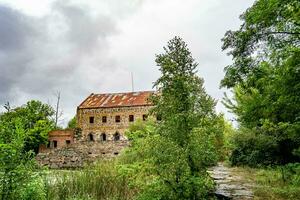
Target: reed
pixel 100 181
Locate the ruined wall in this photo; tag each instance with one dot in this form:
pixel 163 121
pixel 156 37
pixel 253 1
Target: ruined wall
pixel 82 150
pixel 110 127
pixel 80 153
pixel 58 139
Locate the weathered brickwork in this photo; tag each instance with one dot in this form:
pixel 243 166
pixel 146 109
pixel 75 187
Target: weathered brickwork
pixel 102 120
pixel 58 139
pixel 110 127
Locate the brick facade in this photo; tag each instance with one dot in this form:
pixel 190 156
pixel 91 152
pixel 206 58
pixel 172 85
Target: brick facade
pixel 109 124
pixel 102 120
pixel 58 139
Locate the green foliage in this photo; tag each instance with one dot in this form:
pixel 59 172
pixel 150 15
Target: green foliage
pixel 34 118
pixel 265 77
pixel 168 160
pixel 72 123
pixel 17 167
pixel 270 32
pixel 22 129
pixel 279 182
pixel 99 181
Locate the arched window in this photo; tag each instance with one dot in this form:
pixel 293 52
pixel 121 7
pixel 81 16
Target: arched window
pixel 117 136
pixel 90 137
pixel 103 137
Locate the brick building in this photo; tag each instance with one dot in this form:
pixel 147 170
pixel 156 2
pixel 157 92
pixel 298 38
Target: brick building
pixel 58 139
pixel 106 117
pixel 102 120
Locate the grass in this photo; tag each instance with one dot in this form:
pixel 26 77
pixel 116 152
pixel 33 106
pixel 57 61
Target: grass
pixel 100 181
pixel 280 183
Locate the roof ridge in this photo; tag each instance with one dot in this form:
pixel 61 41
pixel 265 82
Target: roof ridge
pixel 123 92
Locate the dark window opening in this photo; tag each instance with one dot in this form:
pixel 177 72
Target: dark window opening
pixel 91 120
pixel 116 136
pixel 116 153
pixel 68 142
pixel 103 137
pixel 54 143
pixel 131 118
pixel 145 117
pixel 103 153
pixel 158 118
pixel 118 118
pixel 104 119
pixel 48 144
pixel 91 137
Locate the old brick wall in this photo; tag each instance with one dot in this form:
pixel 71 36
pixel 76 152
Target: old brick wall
pixel 58 139
pixel 110 127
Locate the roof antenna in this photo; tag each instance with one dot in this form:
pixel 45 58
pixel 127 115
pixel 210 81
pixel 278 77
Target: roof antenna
pixel 132 85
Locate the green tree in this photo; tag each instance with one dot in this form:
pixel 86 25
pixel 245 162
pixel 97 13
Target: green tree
pixel 17 167
pixel 72 123
pixel 36 120
pixel 173 154
pixel 266 82
pixel 270 32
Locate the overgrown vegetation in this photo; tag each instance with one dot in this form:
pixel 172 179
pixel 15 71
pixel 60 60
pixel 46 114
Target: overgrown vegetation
pixel 22 129
pixel 265 77
pixel 281 182
pixel 168 160
pixel 99 181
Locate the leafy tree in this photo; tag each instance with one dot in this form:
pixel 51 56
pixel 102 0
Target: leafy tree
pixel 34 118
pixel 270 32
pixel 172 155
pixel 17 167
pixel 266 82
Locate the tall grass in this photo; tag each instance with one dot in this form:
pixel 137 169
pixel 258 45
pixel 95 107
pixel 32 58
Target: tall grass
pixel 100 181
pixel 282 182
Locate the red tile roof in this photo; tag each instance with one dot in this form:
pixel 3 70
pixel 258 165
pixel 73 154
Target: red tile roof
pixel 117 100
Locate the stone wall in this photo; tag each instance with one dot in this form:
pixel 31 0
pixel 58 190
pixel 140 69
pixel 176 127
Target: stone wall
pixel 77 154
pixel 110 127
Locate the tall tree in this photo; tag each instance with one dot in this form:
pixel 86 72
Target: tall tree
pixel 266 81
pixel 270 32
pixel 173 157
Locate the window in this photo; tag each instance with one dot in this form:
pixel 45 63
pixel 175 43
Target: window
pixel 145 117
pixel 54 143
pixel 48 144
pixel 103 137
pixel 90 137
pixel 131 118
pixel 118 118
pixel 117 136
pixel 158 118
pixel 116 153
pixel 68 142
pixel 104 119
pixel 91 120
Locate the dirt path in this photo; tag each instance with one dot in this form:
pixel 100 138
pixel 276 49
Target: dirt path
pixel 230 184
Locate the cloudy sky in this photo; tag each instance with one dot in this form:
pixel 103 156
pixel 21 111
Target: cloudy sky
pixel 80 47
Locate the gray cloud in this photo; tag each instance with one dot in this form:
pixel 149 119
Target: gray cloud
pixel 81 48
pixel 64 50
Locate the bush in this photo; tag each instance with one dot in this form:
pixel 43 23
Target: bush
pixel 252 149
